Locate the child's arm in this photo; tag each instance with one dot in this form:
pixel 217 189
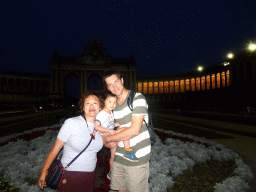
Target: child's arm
pixel 102 129
pixel 117 124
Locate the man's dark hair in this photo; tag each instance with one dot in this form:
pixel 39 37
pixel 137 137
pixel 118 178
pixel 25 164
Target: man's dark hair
pixel 111 72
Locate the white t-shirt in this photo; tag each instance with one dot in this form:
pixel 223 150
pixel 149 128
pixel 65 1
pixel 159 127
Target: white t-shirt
pixel 75 134
pixel 106 120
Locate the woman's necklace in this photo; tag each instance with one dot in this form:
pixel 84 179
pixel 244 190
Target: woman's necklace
pixel 94 131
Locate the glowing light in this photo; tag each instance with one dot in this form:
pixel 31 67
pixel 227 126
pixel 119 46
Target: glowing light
pixel 230 55
pixel 226 63
pixel 200 68
pixel 252 47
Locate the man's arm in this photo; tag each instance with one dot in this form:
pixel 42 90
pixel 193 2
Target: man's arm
pixel 127 133
pixel 108 145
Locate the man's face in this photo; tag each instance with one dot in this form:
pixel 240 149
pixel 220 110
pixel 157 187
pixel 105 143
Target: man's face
pixel 115 85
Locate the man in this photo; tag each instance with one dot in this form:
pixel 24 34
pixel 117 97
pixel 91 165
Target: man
pixel 126 175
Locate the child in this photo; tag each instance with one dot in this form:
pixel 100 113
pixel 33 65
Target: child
pixel 104 122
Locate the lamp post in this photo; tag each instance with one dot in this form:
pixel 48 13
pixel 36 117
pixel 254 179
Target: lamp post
pixel 252 47
pixel 200 68
pixel 230 56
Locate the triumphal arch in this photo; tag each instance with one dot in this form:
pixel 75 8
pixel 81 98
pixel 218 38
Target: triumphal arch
pixel 94 61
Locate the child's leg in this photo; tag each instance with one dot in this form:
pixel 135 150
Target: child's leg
pixel 127 145
pixel 128 153
pixel 112 157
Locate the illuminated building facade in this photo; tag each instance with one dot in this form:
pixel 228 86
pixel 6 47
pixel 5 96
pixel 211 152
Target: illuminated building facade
pixel 226 85
pixel 184 83
pixel 219 86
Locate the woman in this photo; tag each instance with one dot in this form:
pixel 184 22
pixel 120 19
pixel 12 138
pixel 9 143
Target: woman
pixel 74 135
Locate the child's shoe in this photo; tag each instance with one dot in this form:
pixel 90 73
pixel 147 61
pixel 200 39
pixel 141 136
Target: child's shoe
pixel 109 175
pixel 130 156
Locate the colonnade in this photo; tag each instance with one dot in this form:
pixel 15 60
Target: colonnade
pixel 24 85
pixel 200 83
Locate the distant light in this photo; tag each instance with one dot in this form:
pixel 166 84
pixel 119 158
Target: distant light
pixel 252 47
pixel 230 55
pixel 200 68
pixel 226 63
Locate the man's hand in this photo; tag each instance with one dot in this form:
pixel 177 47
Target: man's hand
pixel 105 138
pixel 107 143
pixel 112 132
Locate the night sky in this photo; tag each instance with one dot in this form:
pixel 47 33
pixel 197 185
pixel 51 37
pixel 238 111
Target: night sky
pixel 165 37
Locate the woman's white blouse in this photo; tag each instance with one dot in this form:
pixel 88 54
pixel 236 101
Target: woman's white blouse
pixel 75 134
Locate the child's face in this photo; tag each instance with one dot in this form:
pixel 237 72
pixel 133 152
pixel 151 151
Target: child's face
pixel 110 103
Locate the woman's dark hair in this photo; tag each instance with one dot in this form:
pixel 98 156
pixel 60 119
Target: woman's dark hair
pixel 87 94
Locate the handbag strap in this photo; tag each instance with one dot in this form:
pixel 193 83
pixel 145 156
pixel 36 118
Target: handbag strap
pixel 82 150
pixel 78 154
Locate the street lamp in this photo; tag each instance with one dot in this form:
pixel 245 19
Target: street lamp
pixel 252 47
pixel 230 55
pixel 226 63
pixel 200 68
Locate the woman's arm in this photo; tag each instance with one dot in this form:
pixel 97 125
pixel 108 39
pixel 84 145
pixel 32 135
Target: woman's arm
pixel 49 159
pixel 102 129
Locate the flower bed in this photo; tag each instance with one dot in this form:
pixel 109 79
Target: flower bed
pixel 23 155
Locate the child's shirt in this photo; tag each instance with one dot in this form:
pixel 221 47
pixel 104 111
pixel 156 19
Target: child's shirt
pixel 106 120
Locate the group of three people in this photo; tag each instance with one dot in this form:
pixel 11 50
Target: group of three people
pixel 129 168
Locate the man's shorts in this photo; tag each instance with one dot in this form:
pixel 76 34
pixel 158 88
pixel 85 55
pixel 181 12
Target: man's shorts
pixel 130 179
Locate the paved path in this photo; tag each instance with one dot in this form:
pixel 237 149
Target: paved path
pixel 243 144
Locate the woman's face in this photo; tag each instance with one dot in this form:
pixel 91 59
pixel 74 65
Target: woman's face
pixel 91 106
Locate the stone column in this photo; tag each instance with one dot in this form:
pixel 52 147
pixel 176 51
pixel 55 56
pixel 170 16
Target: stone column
pixel 56 81
pixel 190 88
pixel 142 86
pixel 200 85
pixel 221 83
pixel 85 81
pixel 62 84
pixel 148 87
pixel 51 81
pixel 81 82
pixel 130 80
pixel 226 79
pixel 158 90
pixel 184 80
pixel 134 80
pixel 210 88
pixel 216 81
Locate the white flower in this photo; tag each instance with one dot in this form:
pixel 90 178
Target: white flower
pixel 243 170
pixel 232 184
pixel 22 161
